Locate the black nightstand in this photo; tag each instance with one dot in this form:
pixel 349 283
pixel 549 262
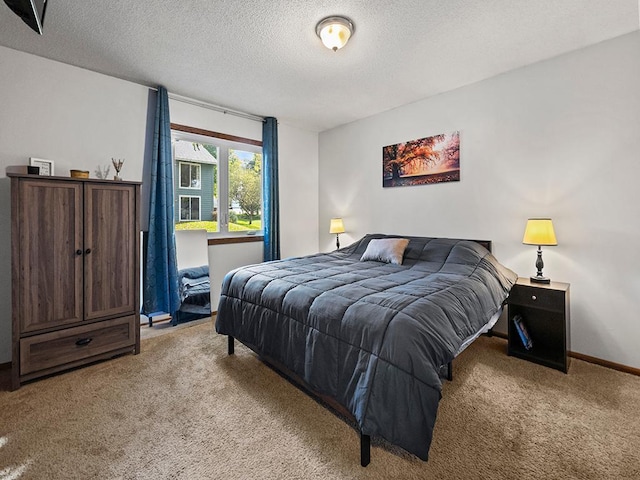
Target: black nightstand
pixel 545 312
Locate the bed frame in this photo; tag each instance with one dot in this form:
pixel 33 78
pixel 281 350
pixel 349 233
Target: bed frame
pixel 365 440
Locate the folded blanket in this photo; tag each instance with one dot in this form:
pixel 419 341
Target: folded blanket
pixel 194 272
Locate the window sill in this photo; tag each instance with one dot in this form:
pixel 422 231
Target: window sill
pixel 229 240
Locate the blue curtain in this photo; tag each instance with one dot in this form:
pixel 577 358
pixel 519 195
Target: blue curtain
pixel 271 214
pixel 161 271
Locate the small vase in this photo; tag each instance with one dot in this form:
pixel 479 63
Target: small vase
pixel 117 178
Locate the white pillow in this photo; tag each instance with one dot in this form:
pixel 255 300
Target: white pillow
pixel 388 250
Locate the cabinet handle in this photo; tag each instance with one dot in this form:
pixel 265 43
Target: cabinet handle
pixel 84 341
pixel 534 298
pixel 87 251
pixel 78 252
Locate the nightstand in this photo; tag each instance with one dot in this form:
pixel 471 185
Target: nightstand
pixel 545 313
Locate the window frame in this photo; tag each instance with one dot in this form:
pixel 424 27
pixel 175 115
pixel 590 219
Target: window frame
pixel 224 142
pixel 191 165
pixel 199 197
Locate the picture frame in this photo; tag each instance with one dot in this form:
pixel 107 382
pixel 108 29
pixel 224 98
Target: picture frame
pixel 46 166
pixel 423 161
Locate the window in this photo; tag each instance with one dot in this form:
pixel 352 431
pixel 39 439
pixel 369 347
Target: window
pixel 189 175
pixel 189 208
pixel 227 172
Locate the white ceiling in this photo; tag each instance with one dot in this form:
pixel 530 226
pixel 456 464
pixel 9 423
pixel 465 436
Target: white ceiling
pixel 264 57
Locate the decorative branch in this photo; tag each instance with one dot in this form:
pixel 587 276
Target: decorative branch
pixel 117 164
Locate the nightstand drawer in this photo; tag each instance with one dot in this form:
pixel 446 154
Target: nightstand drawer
pixel 537 297
pixel 40 352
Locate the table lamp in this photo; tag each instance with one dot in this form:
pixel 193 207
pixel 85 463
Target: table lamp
pixel 337 227
pixel 539 231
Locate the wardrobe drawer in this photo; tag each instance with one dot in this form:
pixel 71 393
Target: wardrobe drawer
pixel 40 352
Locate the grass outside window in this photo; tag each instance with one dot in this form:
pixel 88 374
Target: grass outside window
pixel 241 225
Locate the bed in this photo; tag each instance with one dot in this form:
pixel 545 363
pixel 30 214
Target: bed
pixel 369 336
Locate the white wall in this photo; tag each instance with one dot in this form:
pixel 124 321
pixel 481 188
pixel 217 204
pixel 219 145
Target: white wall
pixel 81 119
pixel 77 118
pixel 298 179
pixel 559 138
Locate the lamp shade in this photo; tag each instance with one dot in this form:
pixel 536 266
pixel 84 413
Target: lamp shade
pixel 336 226
pixel 539 231
pixel 334 32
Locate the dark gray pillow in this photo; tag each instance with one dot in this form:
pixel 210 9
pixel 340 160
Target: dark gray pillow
pixel 388 250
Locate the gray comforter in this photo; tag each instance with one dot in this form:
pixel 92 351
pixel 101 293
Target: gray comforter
pixel 371 335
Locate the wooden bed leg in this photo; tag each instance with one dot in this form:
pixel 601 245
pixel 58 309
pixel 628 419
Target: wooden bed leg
pixel 365 449
pixel 450 371
pixel 230 345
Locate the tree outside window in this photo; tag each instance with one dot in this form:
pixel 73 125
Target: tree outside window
pixel 245 184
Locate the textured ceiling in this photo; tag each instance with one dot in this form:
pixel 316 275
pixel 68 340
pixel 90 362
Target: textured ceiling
pixel 263 57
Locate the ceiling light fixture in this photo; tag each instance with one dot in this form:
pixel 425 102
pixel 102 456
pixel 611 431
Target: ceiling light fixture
pixel 335 32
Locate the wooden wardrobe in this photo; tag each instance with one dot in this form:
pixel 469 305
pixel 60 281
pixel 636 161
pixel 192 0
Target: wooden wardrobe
pixel 75 248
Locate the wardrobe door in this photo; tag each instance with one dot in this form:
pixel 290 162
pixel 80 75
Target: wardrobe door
pixel 109 250
pixel 50 254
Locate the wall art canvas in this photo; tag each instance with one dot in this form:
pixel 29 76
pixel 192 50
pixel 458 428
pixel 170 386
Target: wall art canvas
pixel 427 160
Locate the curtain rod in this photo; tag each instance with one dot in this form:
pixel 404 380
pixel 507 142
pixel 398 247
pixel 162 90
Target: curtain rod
pixel 211 106
pixel 217 108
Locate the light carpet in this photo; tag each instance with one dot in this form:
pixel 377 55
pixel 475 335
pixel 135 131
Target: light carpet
pixel 183 409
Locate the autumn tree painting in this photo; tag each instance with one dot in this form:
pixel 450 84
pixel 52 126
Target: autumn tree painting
pixel 426 160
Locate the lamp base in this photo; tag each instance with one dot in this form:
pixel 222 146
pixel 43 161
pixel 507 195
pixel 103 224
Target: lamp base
pixel 540 279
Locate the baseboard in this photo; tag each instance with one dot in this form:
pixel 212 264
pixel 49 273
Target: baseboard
pixel 5 366
pixel 588 358
pixel 606 363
